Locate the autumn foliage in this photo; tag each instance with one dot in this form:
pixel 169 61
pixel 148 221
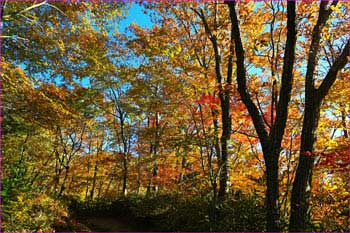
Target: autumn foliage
pixel 204 120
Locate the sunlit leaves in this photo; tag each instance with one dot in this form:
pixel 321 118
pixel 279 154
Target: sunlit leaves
pixel 98 106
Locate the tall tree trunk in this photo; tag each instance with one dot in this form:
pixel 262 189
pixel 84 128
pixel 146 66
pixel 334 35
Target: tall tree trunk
pixel 302 182
pixel 88 169
pixel 92 192
pixel 87 180
pixel 125 175
pixel 313 100
pixel 343 123
pixel 213 177
pixel 58 171
pixel 106 193
pixel 224 95
pixel 272 193
pixel 93 182
pixel 138 179
pixel 154 154
pixel 271 142
pixel 100 189
pixel 226 132
pixel 63 185
pixel 123 137
pixel 125 151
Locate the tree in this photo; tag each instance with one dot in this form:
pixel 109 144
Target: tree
pixel 123 132
pixel 271 142
pixel 314 96
pixel 224 95
pixel 207 59
pixel 42 96
pixel 212 105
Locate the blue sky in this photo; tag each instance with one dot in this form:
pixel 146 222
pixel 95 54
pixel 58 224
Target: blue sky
pixel 135 15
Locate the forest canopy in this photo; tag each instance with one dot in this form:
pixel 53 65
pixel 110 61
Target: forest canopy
pixel 215 116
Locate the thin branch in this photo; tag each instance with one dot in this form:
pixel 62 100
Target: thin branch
pixel 230 57
pixel 59 10
pixel 323 16
pixel 242 79
pixel 278 127
pixel 261 111
pixel 14 37
pixel 214 42
pixel 32 7
pixel 331 76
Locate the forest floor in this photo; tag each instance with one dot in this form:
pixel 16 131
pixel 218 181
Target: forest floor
pixel 106 224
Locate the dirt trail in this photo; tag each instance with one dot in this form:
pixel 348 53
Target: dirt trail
pixel 107 224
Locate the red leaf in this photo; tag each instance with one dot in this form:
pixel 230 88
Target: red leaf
pixel 308 153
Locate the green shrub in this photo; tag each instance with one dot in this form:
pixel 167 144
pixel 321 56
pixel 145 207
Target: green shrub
pixel 199 213
pixel 31 212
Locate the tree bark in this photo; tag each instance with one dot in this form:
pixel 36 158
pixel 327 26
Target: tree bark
pixel 302 182
pixel 125 150
pixel 272 193
pixel 94 182
pixel 225 136
pixel 224 96
pixel 125 175
pixel 87 179
pixel 63 185
pixel 303 178
pixel 123 136
pixel 299 218
pixel 343 123
pixel 271 142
